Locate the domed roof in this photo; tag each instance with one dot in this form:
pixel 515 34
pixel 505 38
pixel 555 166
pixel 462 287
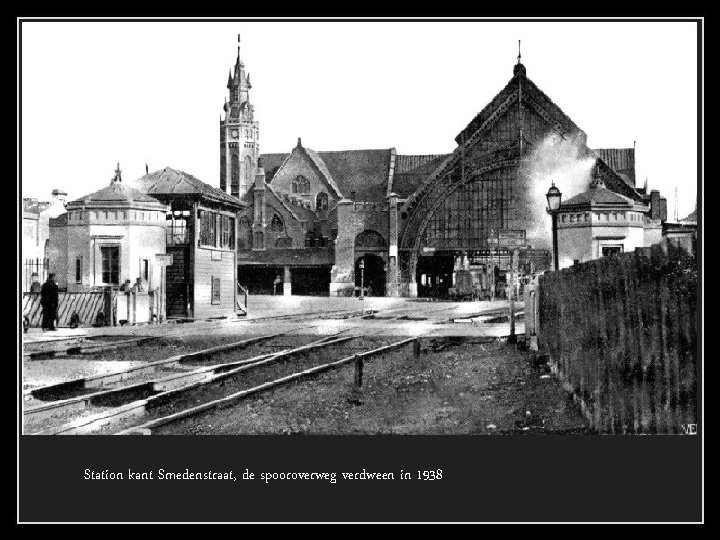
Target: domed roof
pixel 116 193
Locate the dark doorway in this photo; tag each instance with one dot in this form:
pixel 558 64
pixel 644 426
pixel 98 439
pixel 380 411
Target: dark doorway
pixel 177 283
pixel 433 276
pixel 372 276
pixel 310 281
pixel 261 280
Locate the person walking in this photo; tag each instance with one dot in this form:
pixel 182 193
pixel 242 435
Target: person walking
pixel 49 303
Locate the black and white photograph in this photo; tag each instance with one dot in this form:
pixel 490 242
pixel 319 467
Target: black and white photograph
pixel 359 227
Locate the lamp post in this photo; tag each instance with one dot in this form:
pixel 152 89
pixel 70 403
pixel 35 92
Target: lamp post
pixel 554 197
pixel 362 279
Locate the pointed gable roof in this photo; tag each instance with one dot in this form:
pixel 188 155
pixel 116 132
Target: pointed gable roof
pixel 531 95
pixel 364 172
pixel 621 160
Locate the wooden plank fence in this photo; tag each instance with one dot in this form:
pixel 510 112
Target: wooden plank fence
pixel 621 333
pixel 86 304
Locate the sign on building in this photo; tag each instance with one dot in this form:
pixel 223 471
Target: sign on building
pixel 164 259
pixel 509 238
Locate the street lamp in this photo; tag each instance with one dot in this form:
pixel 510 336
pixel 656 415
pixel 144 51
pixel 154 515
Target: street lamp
pixel 554 197
pixel 362 279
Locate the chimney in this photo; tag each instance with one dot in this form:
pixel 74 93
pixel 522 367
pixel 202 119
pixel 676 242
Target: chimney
pixel 655 204
pixel 58 195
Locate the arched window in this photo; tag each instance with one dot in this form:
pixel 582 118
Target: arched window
pixel 369 239
pixel 223 173
pixel 234 175
pixel 301 184
pixel 244 240
pixel 321 201
pixel 248 171
pixel 276 225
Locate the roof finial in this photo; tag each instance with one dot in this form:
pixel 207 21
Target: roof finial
pixel 519 54
pixel 147 169
pixel 299 142
pixel 118 177
pixel 519 69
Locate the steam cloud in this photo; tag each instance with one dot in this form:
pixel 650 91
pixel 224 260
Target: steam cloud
pixel 566 162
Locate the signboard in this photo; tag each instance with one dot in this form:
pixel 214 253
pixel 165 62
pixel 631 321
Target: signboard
pixel 164 259
pixel 509 238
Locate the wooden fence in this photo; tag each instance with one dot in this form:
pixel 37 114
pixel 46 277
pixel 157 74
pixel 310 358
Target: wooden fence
pixel 621 334
pixel 86 304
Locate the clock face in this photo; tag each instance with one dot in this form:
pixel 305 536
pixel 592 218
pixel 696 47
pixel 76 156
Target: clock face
pixel 234 134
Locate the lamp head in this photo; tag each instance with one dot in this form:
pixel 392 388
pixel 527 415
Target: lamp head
pixel 554 197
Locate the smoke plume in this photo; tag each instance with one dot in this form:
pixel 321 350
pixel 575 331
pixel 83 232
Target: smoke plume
pixel 563 160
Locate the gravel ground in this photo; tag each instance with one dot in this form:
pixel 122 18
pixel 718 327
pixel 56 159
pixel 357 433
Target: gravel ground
pixel 256 376
pixel 466 389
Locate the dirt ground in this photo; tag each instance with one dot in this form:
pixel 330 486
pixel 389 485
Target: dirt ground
pixel 472 388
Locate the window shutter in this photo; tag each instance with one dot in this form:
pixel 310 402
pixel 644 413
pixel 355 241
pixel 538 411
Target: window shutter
pixel 215 290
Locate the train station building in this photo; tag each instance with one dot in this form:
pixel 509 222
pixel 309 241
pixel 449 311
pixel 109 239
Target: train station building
pixel 330 222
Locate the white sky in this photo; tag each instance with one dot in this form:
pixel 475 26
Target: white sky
pixel 95 93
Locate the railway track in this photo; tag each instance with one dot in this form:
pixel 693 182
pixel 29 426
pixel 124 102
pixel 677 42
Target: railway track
pixel 121 400
pixel 55 402
pixel 233 398
pixel 337 314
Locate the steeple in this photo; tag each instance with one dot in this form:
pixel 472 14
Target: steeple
pixel 238 83
pixel 239 132
pixel 239 61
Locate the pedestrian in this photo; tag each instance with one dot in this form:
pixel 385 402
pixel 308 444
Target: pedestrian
pixel 49 303
pixel 276 284
pixel 138 287
pixel 36 286
pixel 126 286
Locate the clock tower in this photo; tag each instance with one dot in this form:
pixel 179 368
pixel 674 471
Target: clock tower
pixel 239 147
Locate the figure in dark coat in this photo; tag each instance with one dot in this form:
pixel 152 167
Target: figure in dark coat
pixel 49 303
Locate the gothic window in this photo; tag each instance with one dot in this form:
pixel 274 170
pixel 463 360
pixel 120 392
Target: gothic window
pixel 301 185
pixel 294 187
pixel 223 173
pixel 321 201
pixel 276 225
pixel 235 176
pixel 369 240
pixel 244 234
pixel 248 171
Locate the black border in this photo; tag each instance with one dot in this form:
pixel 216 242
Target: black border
pixel 497 479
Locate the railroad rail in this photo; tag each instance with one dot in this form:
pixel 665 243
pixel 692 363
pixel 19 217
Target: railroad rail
pixel 154 392
pixel 358 359
pixel 78 346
